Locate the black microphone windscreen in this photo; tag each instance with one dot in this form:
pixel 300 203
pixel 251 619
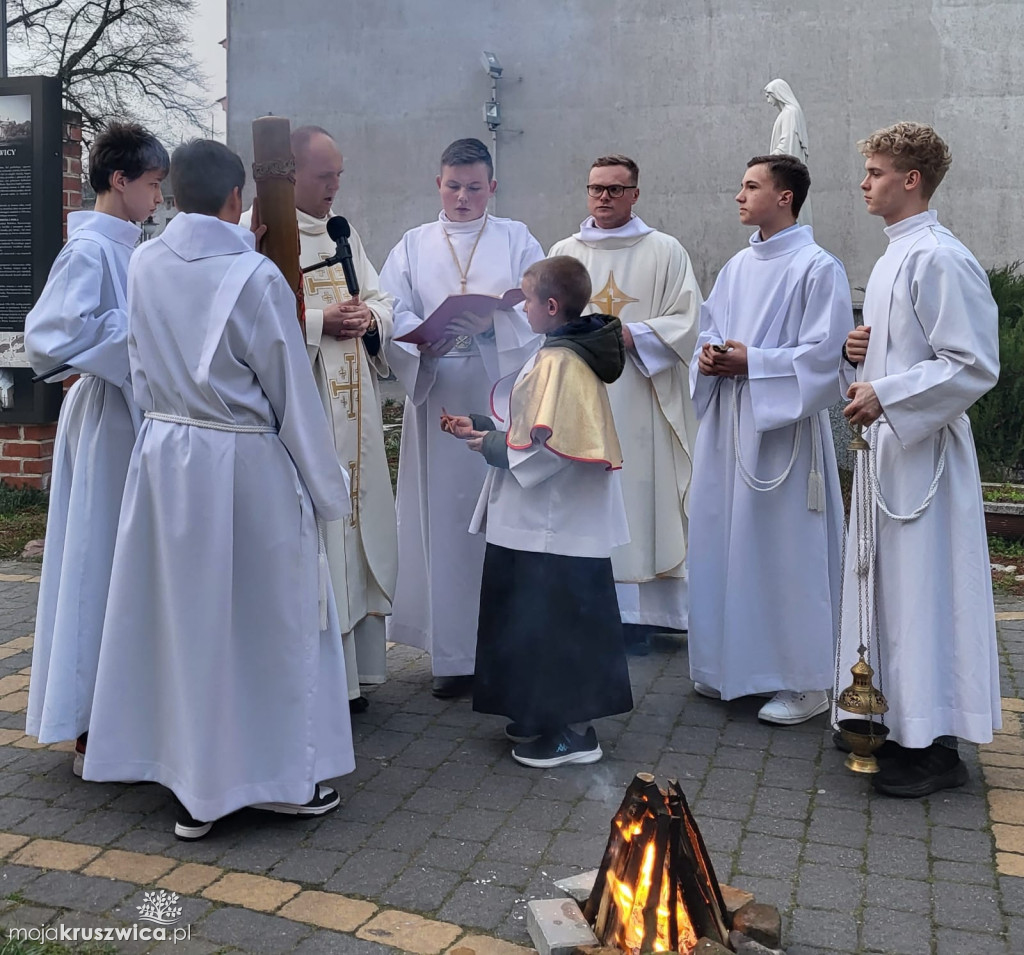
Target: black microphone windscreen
pixel 338 228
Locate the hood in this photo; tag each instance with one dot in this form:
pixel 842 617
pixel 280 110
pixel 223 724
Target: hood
pixel 192 236
pixel 117 230
pixel 597 339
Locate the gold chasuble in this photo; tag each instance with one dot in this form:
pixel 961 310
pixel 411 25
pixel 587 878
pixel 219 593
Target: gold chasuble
pixel 564 404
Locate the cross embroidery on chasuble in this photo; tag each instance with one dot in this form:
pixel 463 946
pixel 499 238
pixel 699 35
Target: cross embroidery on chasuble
pixel 345 390
pixel 611 300
pixel 327 284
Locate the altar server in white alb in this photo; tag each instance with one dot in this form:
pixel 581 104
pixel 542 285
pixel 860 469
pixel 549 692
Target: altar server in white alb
pixel 645 279
pixel 466 250
pixel 347 340
pixel 767 516
pixel 221 672
pixel 928 349
pixel 80 320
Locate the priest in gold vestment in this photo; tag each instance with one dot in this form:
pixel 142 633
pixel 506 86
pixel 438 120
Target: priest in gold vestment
pixel 346 342
pixel 645 279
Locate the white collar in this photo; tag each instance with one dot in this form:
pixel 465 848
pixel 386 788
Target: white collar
pixel 635 228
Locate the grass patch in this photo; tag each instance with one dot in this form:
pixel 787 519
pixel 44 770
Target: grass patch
pixel 22 519
pixel 1004 493
pixel 14 946
pixel 1009 553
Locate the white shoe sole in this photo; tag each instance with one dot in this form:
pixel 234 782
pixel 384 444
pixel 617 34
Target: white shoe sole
pixel 78 766
pixel 191 833
pixel 297 809
pixel 708 692
pixel 793 720
pixel 588 756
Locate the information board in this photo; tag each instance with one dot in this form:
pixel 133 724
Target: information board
pixel 31 200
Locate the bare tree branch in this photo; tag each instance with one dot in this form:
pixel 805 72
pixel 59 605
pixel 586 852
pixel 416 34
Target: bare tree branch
pixel 124 59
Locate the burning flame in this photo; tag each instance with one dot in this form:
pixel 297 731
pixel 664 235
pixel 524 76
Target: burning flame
pixel 631 905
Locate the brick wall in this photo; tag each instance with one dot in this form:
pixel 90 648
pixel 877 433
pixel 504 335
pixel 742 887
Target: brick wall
pixel 26 450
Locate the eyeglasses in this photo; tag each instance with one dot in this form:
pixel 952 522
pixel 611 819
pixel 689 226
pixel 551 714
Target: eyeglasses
pixel 614 192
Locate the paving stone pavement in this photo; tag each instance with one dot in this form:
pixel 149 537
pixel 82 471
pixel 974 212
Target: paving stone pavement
pixel 438 821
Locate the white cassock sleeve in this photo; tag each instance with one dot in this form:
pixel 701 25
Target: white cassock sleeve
pixel 649 353
pixel 535 464
pixel 276 355
pixel 416 372
pixel 66 324
pixel 668 336
pixel 513 342
pixel 795 381
pixel 704 387
pixel 954 306
pixel 379 302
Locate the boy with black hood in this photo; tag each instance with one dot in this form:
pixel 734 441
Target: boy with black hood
pixel 550 652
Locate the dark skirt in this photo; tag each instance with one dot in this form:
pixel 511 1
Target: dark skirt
pixel 549 646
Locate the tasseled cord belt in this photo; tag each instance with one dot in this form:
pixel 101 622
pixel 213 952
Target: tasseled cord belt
pixel 815 479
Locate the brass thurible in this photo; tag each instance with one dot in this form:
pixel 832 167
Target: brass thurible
pixel 864 736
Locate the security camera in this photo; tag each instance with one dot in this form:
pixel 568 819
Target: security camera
pixel 490 64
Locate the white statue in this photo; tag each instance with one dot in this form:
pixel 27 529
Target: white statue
pixel 789 134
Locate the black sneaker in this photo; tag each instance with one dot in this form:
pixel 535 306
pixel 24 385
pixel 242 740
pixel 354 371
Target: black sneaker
pixel 188 828
pixel 565 746
pixel 452 687
pixel 359 705
pixel 324 800
pixel 920 772
pixel 520 733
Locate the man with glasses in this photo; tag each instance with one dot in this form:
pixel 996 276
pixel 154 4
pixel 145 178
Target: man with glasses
pixel 644 278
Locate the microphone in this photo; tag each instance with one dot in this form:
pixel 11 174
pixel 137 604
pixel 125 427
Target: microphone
pixel 339 230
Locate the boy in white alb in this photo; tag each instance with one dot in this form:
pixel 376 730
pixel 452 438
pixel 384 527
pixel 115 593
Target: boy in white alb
pixel 928 349
pixel 221 673
pixel 550 653
pixel 766 523
pixel 81 321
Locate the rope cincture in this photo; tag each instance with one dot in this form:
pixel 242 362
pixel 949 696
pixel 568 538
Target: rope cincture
pixel 815 479
pixel 210 424
pixel 876 489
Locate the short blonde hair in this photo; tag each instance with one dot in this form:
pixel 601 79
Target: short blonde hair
pixel 912 146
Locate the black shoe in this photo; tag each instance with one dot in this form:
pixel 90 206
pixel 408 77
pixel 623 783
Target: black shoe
pixel 324 800
pixel 451 687
pixel 187 828
pixel 359 705
pixel 521 733
pixel 920 772
pixel 890 749
pixel 637 639
pixel 554 749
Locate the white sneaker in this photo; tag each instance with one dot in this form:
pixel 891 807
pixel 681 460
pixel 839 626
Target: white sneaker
pixel 707 690
pixel 324 800
pixel 788 707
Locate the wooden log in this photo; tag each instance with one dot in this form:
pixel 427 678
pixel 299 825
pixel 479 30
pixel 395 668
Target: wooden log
pixel 273 171
pixel 632 806
pixel 701 894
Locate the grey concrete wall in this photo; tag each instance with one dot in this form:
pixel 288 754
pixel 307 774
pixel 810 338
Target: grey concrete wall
pixel 674 83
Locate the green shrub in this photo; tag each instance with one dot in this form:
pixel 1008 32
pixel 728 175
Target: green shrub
pixel 998 417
